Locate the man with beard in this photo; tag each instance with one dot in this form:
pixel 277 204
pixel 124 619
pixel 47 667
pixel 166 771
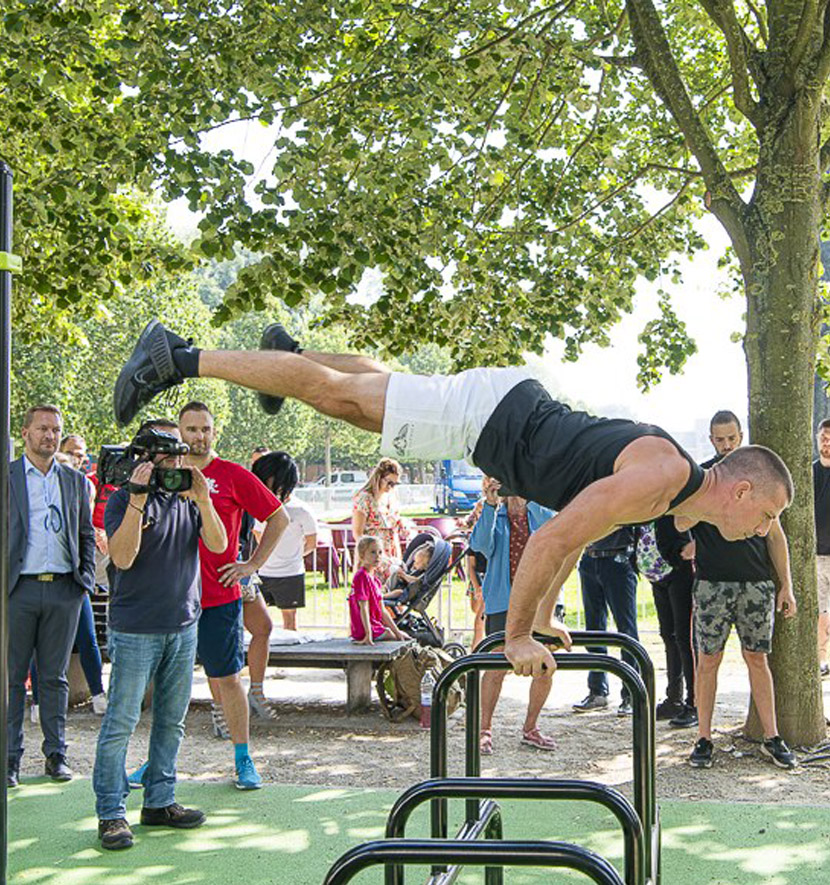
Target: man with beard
pixel 234 491
pixel 51 566
pixel 597 473
pixel 734 585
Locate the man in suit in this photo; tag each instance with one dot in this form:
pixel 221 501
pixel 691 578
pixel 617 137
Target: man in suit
pixel 51 566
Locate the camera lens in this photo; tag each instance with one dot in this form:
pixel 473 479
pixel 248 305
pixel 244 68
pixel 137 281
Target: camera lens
pixel 172 480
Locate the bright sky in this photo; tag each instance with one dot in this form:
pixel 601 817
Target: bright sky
pixel 604 379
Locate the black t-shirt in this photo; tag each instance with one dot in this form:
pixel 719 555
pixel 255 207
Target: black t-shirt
pixel 160 592
pixel 542 450
pixel 717 559
pixel 821 488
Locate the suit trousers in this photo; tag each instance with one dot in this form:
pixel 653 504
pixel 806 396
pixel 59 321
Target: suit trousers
pixel 43 618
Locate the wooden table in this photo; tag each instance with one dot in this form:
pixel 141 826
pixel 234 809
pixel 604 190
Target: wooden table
pixel 359 662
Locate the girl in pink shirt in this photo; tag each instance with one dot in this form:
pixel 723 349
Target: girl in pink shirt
pixel 368 618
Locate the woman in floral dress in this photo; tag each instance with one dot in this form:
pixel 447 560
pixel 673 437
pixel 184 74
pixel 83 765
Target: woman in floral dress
pixel 375 512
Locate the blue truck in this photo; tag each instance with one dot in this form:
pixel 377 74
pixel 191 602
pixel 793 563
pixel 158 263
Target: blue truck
pixel 457 487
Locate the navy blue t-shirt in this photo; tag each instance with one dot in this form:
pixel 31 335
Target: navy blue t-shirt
pixel 160 592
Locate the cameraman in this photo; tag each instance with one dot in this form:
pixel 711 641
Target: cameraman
pixel 153 613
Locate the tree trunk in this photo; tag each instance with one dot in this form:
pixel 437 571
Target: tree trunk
pixel 781 278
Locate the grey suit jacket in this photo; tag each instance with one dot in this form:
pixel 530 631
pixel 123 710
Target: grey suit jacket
pixel 77 519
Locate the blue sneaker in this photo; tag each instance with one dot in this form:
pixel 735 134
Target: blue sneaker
pixel 135 780
pixel 247 777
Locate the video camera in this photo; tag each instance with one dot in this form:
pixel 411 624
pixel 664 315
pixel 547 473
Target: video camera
pixel 117 463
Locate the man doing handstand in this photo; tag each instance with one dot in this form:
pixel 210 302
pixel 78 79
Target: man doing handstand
pixel 598 473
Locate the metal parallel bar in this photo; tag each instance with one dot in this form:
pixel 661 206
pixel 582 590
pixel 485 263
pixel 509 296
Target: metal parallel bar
pixel 642 727
pixel 634 837
pixel 449 852
pixel 616 640
pixel 6 226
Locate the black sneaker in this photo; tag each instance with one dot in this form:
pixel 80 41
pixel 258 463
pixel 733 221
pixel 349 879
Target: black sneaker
pixel 57 768
pixel 701 756
pixel 776 750
pixel 149 370
pixel 12 774
pixel 625 708
pixel 591 702
pixel 667 709
pixel 275 337
pixel 172 816
pixel 686 719
pixel 115 834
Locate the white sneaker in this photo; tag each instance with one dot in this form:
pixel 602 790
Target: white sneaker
pixel 34 713
pixel 99 704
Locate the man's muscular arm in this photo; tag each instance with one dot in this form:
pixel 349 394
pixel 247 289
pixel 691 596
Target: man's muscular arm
pixel 779 555
pixel 639 491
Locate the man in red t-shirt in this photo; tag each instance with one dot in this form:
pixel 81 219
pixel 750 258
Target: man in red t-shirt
pixel 233 491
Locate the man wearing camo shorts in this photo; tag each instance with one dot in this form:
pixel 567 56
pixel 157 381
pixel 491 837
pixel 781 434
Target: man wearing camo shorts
pixel 735 585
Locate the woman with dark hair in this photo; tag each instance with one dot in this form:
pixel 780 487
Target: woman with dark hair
pixel 283 574
pixel 375 512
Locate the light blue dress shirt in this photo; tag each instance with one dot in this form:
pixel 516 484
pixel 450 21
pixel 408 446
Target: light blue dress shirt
pixel 48 546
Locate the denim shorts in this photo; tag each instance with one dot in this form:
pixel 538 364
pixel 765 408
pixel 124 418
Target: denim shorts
pixel 749 605
pixel 220 647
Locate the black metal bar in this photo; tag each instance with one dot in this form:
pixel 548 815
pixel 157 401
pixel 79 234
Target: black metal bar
pixel 634 838
pixel 448 852
pixel 616 640
pixel 642 727
pixel 6 225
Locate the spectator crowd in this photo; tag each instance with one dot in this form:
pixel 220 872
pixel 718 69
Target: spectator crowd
pixel 187 571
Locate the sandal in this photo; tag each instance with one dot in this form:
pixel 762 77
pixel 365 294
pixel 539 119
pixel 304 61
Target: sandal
pixel 485 742
pixel 535 738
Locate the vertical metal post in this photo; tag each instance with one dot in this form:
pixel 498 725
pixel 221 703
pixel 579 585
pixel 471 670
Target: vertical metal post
pixel 5 372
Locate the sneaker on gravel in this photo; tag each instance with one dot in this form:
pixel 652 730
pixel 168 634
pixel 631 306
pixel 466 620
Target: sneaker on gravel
pixel 701 756
pixel 247 777
pixel 136 778
pixel 686 719
pixel 172 816
pixel 667 709
pixel 149 370
pixel 485 742
pixel 625 708
pixel 275 337
pixel 99 704
pixel 115 834
pixel 535 738
pixel 591 702
pixel 776 750
pixel 824 670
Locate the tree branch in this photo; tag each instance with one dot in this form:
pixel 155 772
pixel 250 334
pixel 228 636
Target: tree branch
pixel 722 13
pixel 625 238
pixel 822 68
pixel 759 20
pixel 662 71
pixel 802 36
pixel 558 9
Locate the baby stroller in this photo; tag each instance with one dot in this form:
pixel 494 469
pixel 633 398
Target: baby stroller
pixel 413 619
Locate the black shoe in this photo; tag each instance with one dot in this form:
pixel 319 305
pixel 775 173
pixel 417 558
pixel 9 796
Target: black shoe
pixel 13 774
pixel 778 752
pixel 172 816
pixel 686 719
pixel 115 834
pixel 591 702
pixel 275 338
pixel 667 709
pixel 149 370
pixel 625 708
pixel 701 756
pixel 57 768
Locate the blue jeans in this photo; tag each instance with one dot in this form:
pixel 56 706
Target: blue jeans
pixel 137 659
pixel 608 584
pixel 86 645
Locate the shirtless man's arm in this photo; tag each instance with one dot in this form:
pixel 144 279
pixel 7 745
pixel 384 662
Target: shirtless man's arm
pixel 648 474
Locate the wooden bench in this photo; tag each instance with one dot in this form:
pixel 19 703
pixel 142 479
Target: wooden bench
pixel 359 662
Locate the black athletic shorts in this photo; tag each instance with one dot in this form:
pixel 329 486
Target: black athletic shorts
pixel 283 592
pixel 495 623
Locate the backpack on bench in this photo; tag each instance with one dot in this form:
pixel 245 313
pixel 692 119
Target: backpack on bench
pixel 398 682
